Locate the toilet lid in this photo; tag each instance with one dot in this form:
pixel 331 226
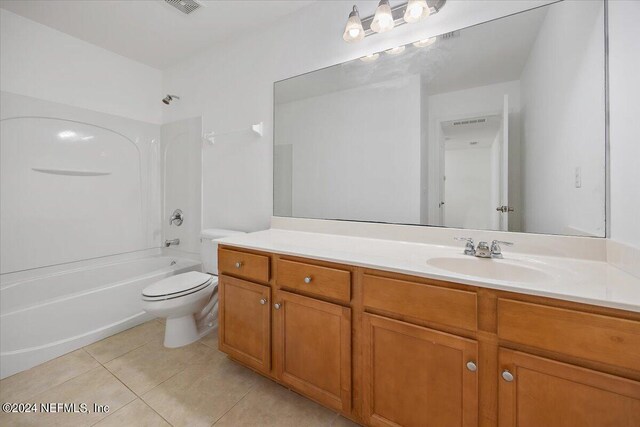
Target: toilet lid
pixel 177 284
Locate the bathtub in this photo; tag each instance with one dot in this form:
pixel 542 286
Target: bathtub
pixel 45 313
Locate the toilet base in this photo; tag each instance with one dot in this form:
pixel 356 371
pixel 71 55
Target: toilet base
pixel 180 331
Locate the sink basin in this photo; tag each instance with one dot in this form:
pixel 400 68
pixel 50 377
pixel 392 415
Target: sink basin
pixel 494 269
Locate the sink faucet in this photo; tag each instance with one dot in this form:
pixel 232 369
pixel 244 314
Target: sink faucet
pixel 469 249
pixel 168 243
pixel 496 251
pixel 483 250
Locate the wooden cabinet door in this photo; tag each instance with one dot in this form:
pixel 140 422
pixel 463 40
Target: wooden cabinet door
pixel 542 392
pixel 418 377
pixel 313 348
pixel 245 322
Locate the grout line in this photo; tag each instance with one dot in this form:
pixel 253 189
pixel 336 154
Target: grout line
pixel 253 388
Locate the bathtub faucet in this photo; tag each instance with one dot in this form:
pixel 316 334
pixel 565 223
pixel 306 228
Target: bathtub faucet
pixel 168 243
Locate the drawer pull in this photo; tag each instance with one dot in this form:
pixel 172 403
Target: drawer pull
pixel 263 301
pixel 238 264
pixel 471 365
pixel 277 306
pixel 307 279
pixel 507 376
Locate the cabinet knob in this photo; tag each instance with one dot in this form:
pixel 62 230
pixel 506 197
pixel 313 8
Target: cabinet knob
pixel 238 264
pixel 471 365
pixel 263 301
pixel 507 376
pixel 307 279
pixel 277 306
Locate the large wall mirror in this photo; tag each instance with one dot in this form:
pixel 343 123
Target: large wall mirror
pixel 499 126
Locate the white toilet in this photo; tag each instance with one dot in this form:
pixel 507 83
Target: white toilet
pixel 189 301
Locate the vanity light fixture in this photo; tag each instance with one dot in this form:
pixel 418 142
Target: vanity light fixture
pixel 353 31
pixel 370 58
pixel 425 42
pixel 395 50
pixel 386 18
pixel 383 19
pixel 416 10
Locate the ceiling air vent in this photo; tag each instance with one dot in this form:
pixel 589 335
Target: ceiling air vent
pixel 184 6
pixel 451 35
pixel 469 122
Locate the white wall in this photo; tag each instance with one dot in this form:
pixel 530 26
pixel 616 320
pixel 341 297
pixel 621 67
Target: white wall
pixel 469 187
pixel 38 61
pixel 624 86
pixel 231 85
pixel 563 123
pixel 181 168
pixel 348 162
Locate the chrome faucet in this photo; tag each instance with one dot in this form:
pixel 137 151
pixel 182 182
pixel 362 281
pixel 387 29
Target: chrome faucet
pixel 177 216
pixel 168 243
pixel 483 250
pixel 469 249
pixel 496 250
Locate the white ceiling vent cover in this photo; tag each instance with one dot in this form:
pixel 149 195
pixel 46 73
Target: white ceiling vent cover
pixel 184 6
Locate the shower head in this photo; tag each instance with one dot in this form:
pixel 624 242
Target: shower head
pixel 167 99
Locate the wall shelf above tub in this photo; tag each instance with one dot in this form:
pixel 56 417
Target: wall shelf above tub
pixel 255 129
pixel 71 172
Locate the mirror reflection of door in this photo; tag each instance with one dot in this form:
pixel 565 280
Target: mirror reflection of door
pixel 473 171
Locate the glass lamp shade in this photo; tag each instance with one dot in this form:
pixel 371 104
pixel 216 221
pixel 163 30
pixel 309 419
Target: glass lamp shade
pixel 416 10
pixel 353 31
pixel 383 19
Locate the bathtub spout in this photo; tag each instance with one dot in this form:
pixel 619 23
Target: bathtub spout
pixel 168 243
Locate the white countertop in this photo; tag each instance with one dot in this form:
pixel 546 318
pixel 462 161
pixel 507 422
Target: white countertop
pixel 579 280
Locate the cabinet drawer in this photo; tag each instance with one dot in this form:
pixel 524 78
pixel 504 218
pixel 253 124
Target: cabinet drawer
pixel 242 264
pixel 436 304
pixel 588 336
pixel 313 279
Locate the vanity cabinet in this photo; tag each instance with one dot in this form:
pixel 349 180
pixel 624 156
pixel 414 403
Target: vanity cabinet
pixel 389 349
pixel 312 341
pixel 244 318
pixel 536 391
pixel 417 377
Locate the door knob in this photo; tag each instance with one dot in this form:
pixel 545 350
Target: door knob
pixel 507 376
pixel 504 209
pixel 263 301
pixel 277 306
pixel 471 365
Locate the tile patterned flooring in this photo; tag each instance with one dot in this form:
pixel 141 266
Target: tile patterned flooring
pixel 146 384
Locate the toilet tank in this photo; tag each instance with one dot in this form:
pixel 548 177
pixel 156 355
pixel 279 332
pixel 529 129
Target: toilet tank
pixel 209 247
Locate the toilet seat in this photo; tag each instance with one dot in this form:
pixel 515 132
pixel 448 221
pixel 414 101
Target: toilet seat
pixel 178 286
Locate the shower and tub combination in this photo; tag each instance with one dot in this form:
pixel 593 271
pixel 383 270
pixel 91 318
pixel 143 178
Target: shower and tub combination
pixel 81 227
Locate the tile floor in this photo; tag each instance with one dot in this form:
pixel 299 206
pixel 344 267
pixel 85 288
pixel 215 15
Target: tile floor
pixel 146 384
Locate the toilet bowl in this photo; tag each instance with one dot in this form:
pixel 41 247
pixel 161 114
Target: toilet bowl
pixel 188 301
pixel 180 299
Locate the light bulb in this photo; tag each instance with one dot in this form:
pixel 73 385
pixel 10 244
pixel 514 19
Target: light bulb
pixel 370 58
pixel 416 10
pixel 425 42
pixel 353 31
pixel 395 50
pixel 383 19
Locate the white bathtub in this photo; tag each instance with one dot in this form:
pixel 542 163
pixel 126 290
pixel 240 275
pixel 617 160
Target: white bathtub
pixel 45 313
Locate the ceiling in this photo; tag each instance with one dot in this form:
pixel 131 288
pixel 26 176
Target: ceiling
pixel 151 31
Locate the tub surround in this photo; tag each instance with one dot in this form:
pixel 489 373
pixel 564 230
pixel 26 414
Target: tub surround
pixel 584 278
